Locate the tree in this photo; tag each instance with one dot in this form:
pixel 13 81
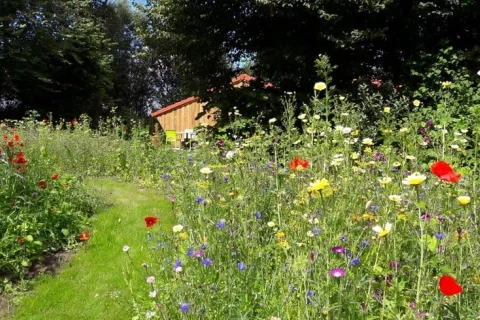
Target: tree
pixel 364 39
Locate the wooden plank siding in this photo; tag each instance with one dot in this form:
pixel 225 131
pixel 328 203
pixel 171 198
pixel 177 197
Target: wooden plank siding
pixel 184 117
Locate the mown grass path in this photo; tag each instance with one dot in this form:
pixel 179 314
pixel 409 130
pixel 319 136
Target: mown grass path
pixel 95 285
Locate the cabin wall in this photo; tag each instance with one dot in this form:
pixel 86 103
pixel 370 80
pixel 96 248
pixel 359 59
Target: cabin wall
pixel 184 117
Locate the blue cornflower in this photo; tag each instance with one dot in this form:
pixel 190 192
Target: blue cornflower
pixel 203 246
pixel 355 261
pixel 221 224
pixel 164 176
pixel 241 266
pixel 190 252
pixel 184 307
pixel 316 231
pixel 226 179
pixel 343 238
pixel 207 262
pixel 257 215
pixel 199 199
pixel 365 244
pixel 310 294
pixel 178 263
pixel 189 159
pixel 439 236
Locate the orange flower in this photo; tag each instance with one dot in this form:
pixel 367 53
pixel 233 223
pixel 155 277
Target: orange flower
pixel 298 164
pixel 84 236
pixel 55 176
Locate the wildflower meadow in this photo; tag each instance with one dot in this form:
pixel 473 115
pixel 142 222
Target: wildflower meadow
pixel 320 214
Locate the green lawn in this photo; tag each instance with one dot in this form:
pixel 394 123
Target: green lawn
pixel 95 285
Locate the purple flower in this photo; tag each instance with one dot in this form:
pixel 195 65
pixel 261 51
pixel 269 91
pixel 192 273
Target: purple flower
pixel 439 236
pixel 310 294
pixel 440 219
pixel 338 250
pixel 178 263
pixel 426 216
pixel 221 224
pixel 184 307
pixel 199 199
pixel 207 262
pixel 241 266
pixel 198 254
pixel 220 143
pixel 428 123
pixel 337 272
pixel 355 261
pixel 395 265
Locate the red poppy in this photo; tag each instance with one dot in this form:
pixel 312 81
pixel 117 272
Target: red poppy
pixel 5 138
pixel 55 176
pixel 42 184
pixel 449 286
pixel 20 240
pixel 445 172
pixel 10 143
pixel 298 164
pixel 19 158
pixel 151 221
pixel 84 236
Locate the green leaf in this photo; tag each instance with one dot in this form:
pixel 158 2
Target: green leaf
pixel 29 238
pixel 431 243
pixel 25 263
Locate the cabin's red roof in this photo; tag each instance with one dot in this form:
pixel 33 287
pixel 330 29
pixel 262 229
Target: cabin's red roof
pixel 241 78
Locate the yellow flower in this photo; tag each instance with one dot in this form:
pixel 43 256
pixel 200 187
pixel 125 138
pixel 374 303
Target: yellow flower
pixel 183 235
pixel 283 244
pixel 318 185
pixel 403 130
pixel 367 141
pixel 368 150
pixel 316 117
pixel 396 164
pixel 402 216
pixel 319 86
pixel 395 198
pixel 280 235
pixel 382 232
pixel 310 234
pixel 271 224
pixel 368 216
pixel 385 180
pixel 416 103
pixel 463 200
pixel 355 132
pixel 206 170
pixel 177 228
pixel 446 84
pixel 355 156
pixel 386 109
pixel 410 157
pixel 414 179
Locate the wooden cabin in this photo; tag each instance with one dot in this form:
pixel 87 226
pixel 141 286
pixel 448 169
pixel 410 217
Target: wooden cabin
pixel 178 119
